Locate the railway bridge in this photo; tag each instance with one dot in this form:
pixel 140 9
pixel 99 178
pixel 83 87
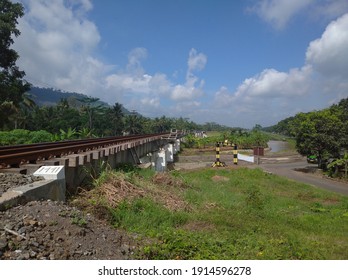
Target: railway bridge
pixel 66 165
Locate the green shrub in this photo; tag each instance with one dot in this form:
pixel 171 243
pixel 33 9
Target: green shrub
pixel 40 136
pixel 16 136
pixel 22 136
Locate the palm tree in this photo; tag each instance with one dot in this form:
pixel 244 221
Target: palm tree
pixel 90 110
pixel 133 124
pixel 117 118
pixel 14 113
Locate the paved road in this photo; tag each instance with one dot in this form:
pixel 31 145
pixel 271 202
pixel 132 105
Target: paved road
pixel 286 168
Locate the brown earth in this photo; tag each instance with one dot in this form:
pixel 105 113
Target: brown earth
pixel 49 230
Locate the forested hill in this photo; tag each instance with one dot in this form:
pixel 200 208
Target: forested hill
pixel 51 97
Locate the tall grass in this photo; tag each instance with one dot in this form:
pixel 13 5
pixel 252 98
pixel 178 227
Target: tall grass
pixel 237 214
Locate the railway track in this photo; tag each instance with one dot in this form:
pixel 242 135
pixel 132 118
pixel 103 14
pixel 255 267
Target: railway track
pixel 15 156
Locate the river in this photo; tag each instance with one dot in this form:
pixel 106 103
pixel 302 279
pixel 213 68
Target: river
pixel 277 146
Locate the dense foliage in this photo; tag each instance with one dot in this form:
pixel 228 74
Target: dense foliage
pixel 12 84
pixel 22 136
pixel 88 118
pixel 244 139
pixel 322 133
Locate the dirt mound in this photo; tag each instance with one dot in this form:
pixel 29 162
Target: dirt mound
pixel 80 229
pixel 165 179
pixel 47 230
pixel 168 192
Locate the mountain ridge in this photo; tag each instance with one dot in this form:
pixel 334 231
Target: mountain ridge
pixel 50 97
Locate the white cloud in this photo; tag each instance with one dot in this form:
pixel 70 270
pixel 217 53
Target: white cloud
pixel 193 87
pixel 156 94
pixel 135 80
pixel 256 93
pixel 328 57
pixel 57 47
pixel 196 61
pixel 329 9
pixel 273 95
pixel 279 13
pixel 187 108
pixel 271 83
pixel 135 57
pixel 151 102
pixel 328 54
pixel 183 92
pixel 56 43
pixel 129 83
pixel 52 18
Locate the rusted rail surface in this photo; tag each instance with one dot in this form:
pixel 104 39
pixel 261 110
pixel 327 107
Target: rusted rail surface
pixel 14 156
pixel 4 150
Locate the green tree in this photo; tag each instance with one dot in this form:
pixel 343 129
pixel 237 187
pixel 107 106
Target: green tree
pixel 133 124
pixel 117 116
pixel 161 124
pixel 90 109
pixel 320 133
pixel 340 162
pixel 12 84
pixel 21 112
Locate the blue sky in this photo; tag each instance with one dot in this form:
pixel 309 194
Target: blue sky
pixel 237 63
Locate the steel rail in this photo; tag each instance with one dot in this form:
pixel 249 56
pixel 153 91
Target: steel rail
pixel 4 150
pixel 47 151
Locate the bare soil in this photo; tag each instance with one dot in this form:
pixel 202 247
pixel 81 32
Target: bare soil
pixel 79 230
pixel 48 230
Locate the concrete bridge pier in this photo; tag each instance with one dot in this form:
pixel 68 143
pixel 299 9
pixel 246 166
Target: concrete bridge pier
pixel 160 160
pixel 164 155
pixel 176 146
pixel 169 148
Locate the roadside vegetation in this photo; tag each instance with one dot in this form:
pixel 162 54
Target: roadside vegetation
pixel 320 134
pixel 243 138
pixel 223 213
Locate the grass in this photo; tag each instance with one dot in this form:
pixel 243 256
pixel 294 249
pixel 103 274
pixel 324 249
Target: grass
pixel 233 214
